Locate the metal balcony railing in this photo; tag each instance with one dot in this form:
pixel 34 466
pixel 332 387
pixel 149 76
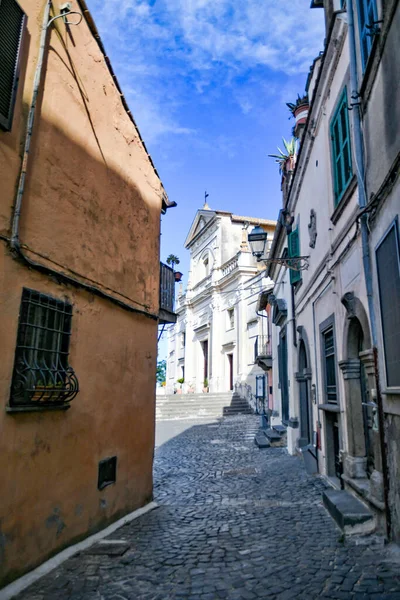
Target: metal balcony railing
pixel 263 352
pixel 167 294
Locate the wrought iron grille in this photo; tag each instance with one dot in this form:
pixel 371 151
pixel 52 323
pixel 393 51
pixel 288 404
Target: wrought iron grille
pixel 42 376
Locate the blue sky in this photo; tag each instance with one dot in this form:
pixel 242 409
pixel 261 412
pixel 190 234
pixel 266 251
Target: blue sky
pixel 207 82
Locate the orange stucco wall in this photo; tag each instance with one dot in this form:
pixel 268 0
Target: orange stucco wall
pixel 91 209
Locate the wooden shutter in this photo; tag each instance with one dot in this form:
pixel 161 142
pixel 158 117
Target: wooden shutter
pixel 294 251
pixel 367 16
pixel 341 148
pixel 12 22
pixel 388 267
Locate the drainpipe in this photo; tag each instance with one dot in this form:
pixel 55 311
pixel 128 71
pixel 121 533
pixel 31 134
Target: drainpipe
pixel 362 200
pixel 14 242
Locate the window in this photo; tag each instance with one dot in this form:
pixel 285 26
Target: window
pixel 328 349
pixel 42 376
pixel 367 16
pixel 231 318
pixel 294 252
pixel 388 267
pixel 12 24
pixel 206 267
pixel 341 148
pixel 255 349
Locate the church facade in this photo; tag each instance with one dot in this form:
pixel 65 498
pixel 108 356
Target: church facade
pixel 218 335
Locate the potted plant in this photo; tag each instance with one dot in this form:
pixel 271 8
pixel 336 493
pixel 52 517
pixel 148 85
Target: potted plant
pixel 181 380
pixel 205 385
pixel 47 391
pixel 286 159
pixel 299 110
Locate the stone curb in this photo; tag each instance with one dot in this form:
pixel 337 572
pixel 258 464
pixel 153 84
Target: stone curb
pixel 25 581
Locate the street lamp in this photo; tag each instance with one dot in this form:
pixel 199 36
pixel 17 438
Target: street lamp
pixel 178 276
pixel 258 240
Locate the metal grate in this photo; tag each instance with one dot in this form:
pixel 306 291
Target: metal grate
pixel 12 22
pixel 107 472
pixel 42 375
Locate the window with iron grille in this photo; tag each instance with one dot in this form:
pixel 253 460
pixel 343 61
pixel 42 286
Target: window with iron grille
pixel 341 148
pixel 42 376
pixel 12 25
pixel 388 268
pixel 367 16
pixel 329 357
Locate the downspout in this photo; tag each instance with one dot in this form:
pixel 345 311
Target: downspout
pixel 14 242
pixel 362 200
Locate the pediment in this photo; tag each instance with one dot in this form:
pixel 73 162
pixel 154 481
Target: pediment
pixel 200 222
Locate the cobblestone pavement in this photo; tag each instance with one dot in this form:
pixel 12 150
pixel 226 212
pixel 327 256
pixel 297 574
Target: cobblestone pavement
pixel 234 522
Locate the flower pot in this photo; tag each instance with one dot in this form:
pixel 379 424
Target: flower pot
pixel 205 389
pixel 289 165
pixel 301 114
pixel 43 394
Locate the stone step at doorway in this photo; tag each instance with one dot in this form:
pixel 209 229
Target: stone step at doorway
pixel 352 516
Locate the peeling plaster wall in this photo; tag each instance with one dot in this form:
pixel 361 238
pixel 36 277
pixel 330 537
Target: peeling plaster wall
pixel 91 209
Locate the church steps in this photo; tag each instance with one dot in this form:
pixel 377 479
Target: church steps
pixel 200 405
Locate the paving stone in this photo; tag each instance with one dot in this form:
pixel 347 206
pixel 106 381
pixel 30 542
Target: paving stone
pixel 233 523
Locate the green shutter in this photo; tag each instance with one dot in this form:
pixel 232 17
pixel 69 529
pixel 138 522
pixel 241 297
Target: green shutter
pixel 294 251
pixel 341 148
pixel 12 21
pixel 367 16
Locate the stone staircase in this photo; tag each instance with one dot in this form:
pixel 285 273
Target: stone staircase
pixel 207 405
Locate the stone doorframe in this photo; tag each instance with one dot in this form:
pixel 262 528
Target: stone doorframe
pixel 355 459
pixel 304 376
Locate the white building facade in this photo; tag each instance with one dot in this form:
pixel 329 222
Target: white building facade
pixel 336 325
pixel 214 343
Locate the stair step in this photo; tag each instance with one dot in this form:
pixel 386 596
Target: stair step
pixel 281 429
pixel 345 509
pixel 261 441
pixel 272 435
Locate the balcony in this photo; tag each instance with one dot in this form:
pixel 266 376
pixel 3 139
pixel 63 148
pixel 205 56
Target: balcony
pixel 263 352
pixel 167 295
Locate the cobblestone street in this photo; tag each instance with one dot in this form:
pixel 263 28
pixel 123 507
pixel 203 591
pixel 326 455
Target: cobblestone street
pixel 233 522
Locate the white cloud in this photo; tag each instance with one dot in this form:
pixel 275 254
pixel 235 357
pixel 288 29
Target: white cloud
pixel 166 47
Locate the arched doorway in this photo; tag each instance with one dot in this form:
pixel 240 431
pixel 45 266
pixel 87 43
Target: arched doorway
pixel 358 375
pixel 362 407
pixel 303 377
pixel 304 397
